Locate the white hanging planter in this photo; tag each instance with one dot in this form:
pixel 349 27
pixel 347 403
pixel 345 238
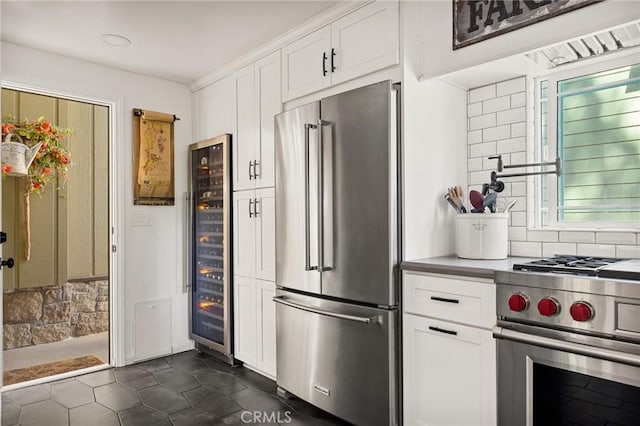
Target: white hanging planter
pixel 17 155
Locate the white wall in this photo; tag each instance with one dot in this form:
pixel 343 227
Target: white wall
pixel 500 121
pixel 435 34
pixel 150 257
pixel 434 136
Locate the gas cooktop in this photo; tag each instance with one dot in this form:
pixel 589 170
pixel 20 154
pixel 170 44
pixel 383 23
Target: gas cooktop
pixel 604 267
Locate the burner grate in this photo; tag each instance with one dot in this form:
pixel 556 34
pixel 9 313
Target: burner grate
pixel 579 265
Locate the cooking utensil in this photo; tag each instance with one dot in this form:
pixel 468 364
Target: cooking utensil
pixel 509 206
pixel 490 201
pixel 477 200
pixel 459 197
pixel 453 195
pixel 451 203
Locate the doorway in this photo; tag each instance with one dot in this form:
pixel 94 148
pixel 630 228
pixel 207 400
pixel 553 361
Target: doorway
pixel 56 299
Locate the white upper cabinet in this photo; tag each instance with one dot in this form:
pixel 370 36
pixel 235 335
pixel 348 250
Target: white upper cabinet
pixel 361 42
pixel 268 103
pixel 364 41
pixel 244 153
pixel 306 64
pixel 258 100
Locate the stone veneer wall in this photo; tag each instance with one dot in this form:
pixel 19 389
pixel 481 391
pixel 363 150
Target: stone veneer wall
pixel 48 314
pixel 500 121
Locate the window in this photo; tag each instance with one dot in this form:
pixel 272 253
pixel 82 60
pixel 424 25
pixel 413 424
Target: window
pixel 590 117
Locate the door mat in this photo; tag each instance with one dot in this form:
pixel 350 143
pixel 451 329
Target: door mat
pixel 45 370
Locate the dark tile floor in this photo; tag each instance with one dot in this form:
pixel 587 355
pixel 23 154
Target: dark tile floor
pixel 189 389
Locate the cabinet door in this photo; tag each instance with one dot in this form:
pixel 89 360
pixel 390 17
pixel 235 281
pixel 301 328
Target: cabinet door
pixel 266 234
pixel 268 82
pixel 449 379
pixel 244 233
pixel 266 327
pixel 244 319
pixel 365 41
pixel 245 139
pixel 306 64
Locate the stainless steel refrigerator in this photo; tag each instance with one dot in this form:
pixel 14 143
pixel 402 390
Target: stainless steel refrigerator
pixel 208 250
pixel 337 254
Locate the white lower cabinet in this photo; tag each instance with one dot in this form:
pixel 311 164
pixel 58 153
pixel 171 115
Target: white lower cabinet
pixel 449 371
pixel 254 325
pixel 254 274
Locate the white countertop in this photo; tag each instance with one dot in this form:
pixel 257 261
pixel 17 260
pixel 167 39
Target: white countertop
pixel 453 265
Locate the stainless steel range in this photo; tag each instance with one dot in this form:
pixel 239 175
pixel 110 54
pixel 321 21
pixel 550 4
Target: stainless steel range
pixel 568 336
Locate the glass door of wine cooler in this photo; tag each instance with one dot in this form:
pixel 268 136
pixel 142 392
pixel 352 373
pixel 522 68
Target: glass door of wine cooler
pixel 210 265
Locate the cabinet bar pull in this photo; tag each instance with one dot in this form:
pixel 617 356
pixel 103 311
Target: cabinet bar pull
pixel 255 169
pixel 250 174
pixel 250 204
pixel 255 207
pixel 333 55
pixel 444 299
pixel 442 330
pixel 324 64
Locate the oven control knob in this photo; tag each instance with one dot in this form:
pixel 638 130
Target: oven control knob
pixel 518 302
pixel 548 307
pixel 581 311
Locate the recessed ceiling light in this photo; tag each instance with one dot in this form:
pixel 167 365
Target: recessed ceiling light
pixel 116 40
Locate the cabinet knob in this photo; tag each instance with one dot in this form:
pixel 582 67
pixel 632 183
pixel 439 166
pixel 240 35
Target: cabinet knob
pixel 8 263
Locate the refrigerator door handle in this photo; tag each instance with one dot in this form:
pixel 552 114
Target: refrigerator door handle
pixel 321 193
pixel 364 320
pixel 307 208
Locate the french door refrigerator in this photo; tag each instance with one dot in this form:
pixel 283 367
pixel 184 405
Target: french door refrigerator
pixel 208 253
pixel 337 253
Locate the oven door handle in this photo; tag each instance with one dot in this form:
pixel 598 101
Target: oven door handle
pixel 575 348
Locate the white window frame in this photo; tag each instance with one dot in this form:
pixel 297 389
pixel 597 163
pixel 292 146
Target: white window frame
pixel 611 61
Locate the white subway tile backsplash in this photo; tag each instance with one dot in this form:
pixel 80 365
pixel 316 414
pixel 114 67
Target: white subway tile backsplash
pixel 518 158
pixel 511 145
pixel 478 178
pixel 474 136
pixel 482 121
pixel 516 115
pixel 474 164
pixel 518 188
pixel 497 104
pixel 482 93
pixel 518 129
pixel 517 233
pixel 526 248
pixel 615 238
pixel 482 149
pixel 496 133
pixel 551 249
pixel 631 252
pixel 577 237
pixel 510 86
pixel 518 218
pixel 500 120
pixel 518 99
pixel 543 236
pixel 474 109
pixel 596 250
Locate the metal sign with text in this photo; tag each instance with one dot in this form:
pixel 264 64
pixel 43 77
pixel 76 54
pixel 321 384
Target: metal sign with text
pixel 477 20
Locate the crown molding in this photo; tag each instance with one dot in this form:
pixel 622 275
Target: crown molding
pixel 308 27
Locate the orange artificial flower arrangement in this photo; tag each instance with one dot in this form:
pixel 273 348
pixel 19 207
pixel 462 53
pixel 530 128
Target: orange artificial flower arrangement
pixel 51 160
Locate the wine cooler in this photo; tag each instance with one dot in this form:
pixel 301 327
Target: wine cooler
pixel 209 233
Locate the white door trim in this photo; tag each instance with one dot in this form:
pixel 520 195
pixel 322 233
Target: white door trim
pixel 116 179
